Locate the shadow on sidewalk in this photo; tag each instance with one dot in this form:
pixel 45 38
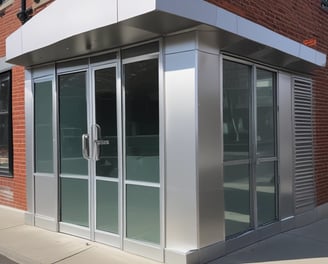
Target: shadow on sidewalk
pixel 4 260
pixel 304 245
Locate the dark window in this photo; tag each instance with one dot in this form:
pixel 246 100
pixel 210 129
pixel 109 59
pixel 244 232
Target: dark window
pixel 6 160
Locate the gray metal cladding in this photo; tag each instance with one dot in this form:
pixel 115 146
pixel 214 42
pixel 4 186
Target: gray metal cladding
pixel 303 145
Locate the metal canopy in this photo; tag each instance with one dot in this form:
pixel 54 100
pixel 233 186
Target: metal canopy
pixel 81 28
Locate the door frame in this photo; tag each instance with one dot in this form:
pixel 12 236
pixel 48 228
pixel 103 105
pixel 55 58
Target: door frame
pixel 98 235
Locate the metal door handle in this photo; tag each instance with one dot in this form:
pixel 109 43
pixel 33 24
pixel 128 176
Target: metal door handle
pixel 96 140
pixel 85 146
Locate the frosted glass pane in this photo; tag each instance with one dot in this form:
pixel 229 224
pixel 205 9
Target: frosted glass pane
pixel 142 121
pixel 266 118
pixel 142 168
pixel 73 123
pixel 74 201
pixel 43 127
pixel 105 85
pixel 236 109
pixel 236 199
pixel 107 206
pixel 142 213
pixel 266 192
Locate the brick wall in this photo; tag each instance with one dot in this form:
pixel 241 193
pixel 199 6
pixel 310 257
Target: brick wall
pixel 299 20
pixel 13 190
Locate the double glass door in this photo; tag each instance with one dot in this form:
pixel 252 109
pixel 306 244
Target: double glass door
pixel 109 153
pixel 250 152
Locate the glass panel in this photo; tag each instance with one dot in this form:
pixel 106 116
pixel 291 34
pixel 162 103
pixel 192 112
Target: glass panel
pixel 43 127
pixel 265 103
pixel 266 192
pixel 105 85
pixel 73 122
pixel 103 57
pixel 140 50
pixel 74 201
pixel 4 161
pixel 107 206
pixel 237 199
pixel 5 122
pixel 142 121
pixel 142 213
pixel 236 102
pixel 4 92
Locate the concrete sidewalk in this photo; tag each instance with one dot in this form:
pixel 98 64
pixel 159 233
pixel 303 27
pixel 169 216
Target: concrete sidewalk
pixel 31 245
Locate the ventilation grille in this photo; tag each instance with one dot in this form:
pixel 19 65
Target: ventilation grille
pixel 303 145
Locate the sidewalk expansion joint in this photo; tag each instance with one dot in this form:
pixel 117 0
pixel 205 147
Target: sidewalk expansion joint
pixel 9 227
pixel 70 256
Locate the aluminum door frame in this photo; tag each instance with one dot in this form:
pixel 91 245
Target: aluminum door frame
pixel 97 235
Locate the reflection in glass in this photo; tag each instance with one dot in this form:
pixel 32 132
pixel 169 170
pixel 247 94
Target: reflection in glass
pixel 142 213
pixel 265 103
pixel 5 125
pixel 236 198
pixel 72 122
pixel 4 163
pixel 107 206
pixel 266 192
pixel 236 107
pixel 142 121
pixel 43 127
pixel 105 86
pixel 4 92
pixel 74 201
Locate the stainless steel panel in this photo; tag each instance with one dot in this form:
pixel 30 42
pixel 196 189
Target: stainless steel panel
pixel 211 203
pixel 43 72
pixel 29 143
pixel 180 43
pixel 135 8
pixel 152 252
pixel 181 125
pixel 208 40
pixel 149 19
pixel 74 230
pixel 37 26
pixel 46 223
pixel 109 239
pixel 176 257
pixel 46 196
pixel 285 146
pixel 4 66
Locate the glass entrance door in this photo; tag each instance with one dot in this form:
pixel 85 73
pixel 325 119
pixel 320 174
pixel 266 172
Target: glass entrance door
pixel 109 154
pixel 74 169
pixel 89 160
pixel 250 153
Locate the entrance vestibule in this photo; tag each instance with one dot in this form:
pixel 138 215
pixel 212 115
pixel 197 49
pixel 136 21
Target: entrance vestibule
pixel 108 147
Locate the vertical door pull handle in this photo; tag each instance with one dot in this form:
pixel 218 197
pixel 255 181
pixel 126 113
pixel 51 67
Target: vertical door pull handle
pixel 85 146
pixel 97 138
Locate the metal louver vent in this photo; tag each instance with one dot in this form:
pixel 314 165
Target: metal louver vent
pixel 303 145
